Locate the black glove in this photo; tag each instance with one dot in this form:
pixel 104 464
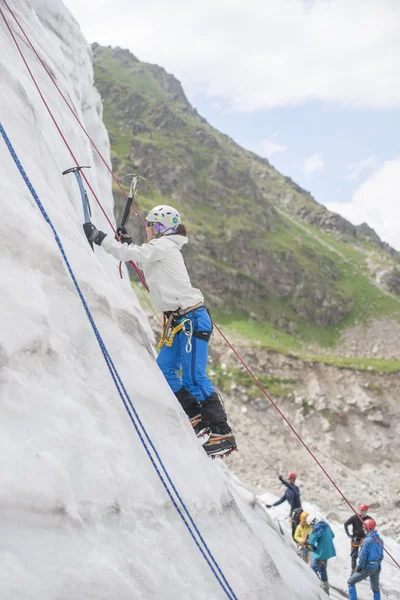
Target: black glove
pixel 280 478
pixel 359 569
pixel 93 235
pixel 124 235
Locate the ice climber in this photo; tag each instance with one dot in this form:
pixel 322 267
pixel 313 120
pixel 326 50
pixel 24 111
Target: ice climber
pixel 369 561
pixel 292 495
pixel 188 325
pixel 301 537
pixel 357 534
pixel 320 541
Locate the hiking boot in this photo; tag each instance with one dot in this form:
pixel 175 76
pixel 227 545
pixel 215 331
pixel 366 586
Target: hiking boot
pixel 201 428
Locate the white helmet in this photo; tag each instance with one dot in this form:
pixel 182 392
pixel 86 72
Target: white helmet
pixel 310 519
pixel 166 215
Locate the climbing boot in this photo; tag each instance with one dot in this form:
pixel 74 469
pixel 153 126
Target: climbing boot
pixel 191 407
pixel 221 441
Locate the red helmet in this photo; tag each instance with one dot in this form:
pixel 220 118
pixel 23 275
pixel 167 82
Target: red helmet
pixel 292 475
pixel 369 524
pixel 364 507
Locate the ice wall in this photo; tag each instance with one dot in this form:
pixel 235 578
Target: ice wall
pixel 83 514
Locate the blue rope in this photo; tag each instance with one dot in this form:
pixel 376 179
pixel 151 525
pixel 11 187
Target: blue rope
pixel 135 419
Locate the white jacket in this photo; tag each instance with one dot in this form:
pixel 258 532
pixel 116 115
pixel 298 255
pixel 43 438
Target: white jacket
pixel 164 269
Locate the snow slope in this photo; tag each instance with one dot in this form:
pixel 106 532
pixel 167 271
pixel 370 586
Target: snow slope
pixel 83 514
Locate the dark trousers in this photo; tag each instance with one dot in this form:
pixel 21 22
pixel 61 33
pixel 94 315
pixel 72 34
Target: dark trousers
pixel 354 555
pixel 294 525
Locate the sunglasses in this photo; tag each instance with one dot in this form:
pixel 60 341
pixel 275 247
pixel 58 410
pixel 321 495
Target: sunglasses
pixel 157 226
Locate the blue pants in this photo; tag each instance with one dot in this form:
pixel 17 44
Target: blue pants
pixel 193 363
pixel 319 566
pixel 358 576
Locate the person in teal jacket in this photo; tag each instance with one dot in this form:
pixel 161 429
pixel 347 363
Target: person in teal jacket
pixel 320 542
pixel 369 562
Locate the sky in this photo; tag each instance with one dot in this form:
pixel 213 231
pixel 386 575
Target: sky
pixel 312 85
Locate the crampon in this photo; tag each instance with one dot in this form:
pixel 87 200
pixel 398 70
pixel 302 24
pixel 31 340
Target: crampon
pixel 201 428
pixel 220 445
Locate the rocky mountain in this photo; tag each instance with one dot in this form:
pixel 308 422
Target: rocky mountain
pixel 265 253
pixel 309 292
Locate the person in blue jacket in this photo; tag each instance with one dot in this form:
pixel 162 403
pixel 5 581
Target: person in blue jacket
pixel 292 495
pixel 321 543
pixel 369 561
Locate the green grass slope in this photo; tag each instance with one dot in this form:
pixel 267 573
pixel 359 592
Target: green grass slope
pixel 273 264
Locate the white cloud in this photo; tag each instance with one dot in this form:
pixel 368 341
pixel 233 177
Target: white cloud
pixel 314 163
pixel 261 53
pixel 376 202
pixel 270 147
pixel 357 169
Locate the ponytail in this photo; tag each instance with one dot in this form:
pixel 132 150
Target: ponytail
pixel 181 230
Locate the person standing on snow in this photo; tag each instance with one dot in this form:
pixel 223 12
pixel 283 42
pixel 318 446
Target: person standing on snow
pixel 301 537
pixel 369 562
pixel 358 533
pixel 320 541
pixel 189 325
pixel 292 495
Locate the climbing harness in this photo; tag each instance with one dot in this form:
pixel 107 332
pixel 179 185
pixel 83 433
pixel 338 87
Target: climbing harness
pixel 138 272
pixel 181 312
pixel 170 330
pixel 87 212
pixel 140 429
pixel 171 326
pixel 174 323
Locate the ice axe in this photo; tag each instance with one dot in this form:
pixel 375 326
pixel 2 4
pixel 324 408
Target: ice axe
pixel 131 197
pixel 87 212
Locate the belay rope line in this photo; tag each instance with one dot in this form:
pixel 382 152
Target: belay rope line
pixel 140 429
pixel 140 275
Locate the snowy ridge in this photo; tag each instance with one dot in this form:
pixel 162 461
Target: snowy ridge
pixel 83 514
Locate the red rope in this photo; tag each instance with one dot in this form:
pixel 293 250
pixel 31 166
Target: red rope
pixel 136 268
pixel 138 272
